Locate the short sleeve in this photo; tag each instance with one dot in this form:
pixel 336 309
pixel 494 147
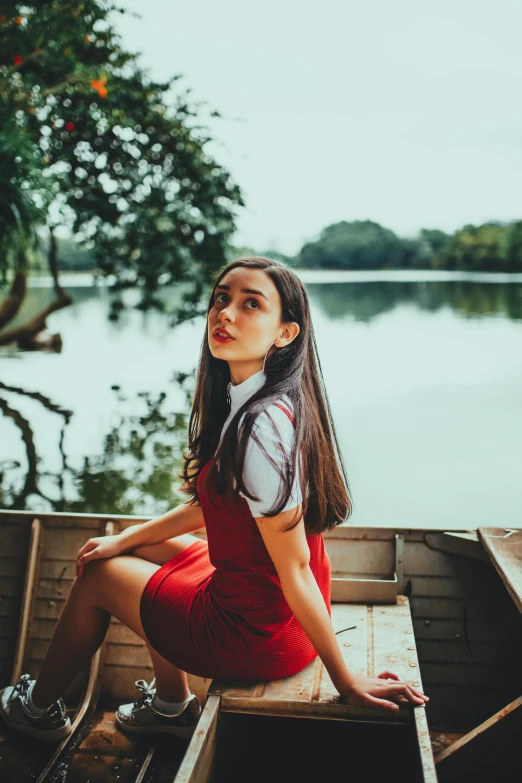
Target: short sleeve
pixel 261 476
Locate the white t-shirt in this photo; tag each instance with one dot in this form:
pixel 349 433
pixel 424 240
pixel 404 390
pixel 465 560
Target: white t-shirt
pixel 260 475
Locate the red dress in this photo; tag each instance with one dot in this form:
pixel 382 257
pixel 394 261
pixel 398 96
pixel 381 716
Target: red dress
pixel 217 609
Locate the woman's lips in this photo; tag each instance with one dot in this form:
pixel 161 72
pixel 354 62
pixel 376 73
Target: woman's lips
pixel 221 339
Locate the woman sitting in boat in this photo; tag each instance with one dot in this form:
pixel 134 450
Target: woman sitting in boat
pixel 265 477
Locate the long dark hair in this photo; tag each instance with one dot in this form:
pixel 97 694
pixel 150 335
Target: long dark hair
pixel 294 370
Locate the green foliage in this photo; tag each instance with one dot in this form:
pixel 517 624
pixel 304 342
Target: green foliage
pixel 122 157
pixel 510 247
pixel 492 247
pixel 137 471
pixel 361 244
pixel 474 248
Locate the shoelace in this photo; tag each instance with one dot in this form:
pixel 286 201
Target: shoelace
pixel 22 688
pixel 147 692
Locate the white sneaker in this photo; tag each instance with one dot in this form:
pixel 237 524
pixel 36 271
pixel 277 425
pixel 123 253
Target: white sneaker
pixel 52 726
pixel 142 717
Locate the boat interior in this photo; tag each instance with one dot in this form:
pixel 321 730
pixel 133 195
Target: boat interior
pixel 442 609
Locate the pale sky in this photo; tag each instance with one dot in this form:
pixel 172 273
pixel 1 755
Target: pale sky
pixel 399 111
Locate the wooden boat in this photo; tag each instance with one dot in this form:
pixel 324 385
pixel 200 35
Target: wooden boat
pixel 441 609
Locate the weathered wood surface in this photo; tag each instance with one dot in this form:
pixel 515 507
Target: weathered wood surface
pixel 465 544
pixel 467 628
pixel 504 546
pixel 28 612
pixel 381 639
pixel 198 762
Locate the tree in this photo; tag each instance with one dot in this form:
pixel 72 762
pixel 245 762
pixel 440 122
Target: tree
pixel 360 244
pixel 473 248
pixel 490 247
pixel 120 158
pixel 135 473
pixel 510 247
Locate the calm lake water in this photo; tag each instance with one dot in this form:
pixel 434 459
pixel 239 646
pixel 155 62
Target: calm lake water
pixel 423 373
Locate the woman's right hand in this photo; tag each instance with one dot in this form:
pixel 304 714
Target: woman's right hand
pixel 377 691
pixel 98 549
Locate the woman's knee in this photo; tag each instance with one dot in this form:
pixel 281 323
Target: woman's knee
pixel 95 575
pixel 116 585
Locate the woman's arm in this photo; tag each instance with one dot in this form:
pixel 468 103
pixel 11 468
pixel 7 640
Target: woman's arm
pixel 183 519
pixel 291 556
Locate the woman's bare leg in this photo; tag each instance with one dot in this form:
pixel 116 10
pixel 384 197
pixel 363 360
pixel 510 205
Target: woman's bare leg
pixel 167 675
pixel 107 587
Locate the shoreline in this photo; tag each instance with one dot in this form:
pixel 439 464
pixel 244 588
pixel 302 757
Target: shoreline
pixel 87 280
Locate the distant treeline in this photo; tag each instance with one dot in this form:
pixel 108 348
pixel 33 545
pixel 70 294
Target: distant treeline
pixel 364 244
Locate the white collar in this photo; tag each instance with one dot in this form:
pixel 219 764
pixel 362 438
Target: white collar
pixel 240 393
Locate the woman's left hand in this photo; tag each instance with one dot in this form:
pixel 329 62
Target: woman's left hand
pixel 99 548
pixel 376 691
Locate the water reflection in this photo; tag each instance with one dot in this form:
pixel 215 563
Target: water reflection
pixel 424 379
pixel 135 473
pixel 364 301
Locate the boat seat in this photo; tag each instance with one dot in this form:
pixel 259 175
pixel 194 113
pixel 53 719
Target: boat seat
pixel 504 547
pixel 373 638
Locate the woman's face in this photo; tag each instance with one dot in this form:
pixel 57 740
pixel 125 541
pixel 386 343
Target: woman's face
pixel 247 305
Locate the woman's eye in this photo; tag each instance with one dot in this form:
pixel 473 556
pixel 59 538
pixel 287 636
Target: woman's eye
pixel 220 301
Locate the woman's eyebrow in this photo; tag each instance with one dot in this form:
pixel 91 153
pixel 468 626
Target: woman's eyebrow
pixel 244 291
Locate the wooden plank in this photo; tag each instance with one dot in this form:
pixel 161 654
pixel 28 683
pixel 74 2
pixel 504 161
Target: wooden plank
pixel 456 543
pixel 461 675
pixel 447 608
pixel 394 642
pixel 372 639
pixel 198 763
pixel 346 589
pixel 436 587
pixel 420 560
pixel 394 650
pixel 302 685
pixel 433 651
pixel 449 631
pixel 311 693
pixel 504 547
pixel 12 567
pixel 365 559
pixel 353 643
pixel 488 752
pixel 424 745
pixel 127 655
pixel 33 562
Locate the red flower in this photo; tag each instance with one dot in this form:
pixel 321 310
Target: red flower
pixel 69 126
pixel 18 60
pixel 18 20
